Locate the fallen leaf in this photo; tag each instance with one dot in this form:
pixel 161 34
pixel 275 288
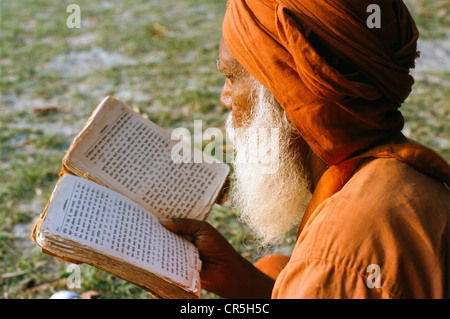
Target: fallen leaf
pixel 45 110
pixel 158 30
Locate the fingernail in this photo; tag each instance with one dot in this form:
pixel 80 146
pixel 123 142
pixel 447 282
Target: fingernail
pixel 165 221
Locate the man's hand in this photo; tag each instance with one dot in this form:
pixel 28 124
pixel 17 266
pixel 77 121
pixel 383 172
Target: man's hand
pixel 224 271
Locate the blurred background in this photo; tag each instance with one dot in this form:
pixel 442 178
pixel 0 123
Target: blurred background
pixel 160 57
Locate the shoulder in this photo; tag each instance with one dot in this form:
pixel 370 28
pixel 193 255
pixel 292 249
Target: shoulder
pixel 386 194
pixel 389 216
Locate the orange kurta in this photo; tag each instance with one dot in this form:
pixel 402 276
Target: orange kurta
pixel 387 214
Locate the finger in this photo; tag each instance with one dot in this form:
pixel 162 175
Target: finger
pixel 200 233
pixel 182 226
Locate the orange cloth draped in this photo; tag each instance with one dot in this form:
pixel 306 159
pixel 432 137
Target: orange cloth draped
pixel 388 215
pixel 426 276
pixel 272 264
pixel 387 208
pixel 418 156
pixel 338 107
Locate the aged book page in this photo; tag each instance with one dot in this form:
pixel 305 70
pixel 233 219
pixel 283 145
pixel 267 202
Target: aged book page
pixel 122 150
pixel 93 224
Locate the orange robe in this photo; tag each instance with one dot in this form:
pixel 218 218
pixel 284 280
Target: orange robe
pixel 389 217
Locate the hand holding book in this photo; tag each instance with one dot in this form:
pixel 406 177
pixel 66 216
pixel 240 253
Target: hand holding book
pixel 117 179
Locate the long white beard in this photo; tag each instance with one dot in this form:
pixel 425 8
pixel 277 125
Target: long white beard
pixel 270 186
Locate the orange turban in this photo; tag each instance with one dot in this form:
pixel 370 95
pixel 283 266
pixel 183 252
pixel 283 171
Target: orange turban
pixel 339 82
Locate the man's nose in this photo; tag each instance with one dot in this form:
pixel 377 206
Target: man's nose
pixel 225 96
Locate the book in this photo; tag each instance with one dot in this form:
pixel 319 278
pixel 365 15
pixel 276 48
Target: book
pixel 118 178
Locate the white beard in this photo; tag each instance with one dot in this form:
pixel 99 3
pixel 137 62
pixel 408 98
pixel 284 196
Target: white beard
pixel 270 186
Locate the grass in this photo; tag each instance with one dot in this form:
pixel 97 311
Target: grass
pixel 432 17
pixel 157 55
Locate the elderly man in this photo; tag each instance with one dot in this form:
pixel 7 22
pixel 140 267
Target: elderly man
pixel 377 223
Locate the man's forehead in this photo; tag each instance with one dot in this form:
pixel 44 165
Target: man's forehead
pixel 227 61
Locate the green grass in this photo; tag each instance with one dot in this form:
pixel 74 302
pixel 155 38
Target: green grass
pixel 157 55
pixel 427 112
pixel 432 17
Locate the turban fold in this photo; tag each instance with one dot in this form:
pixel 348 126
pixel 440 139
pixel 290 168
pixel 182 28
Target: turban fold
pixel 339 81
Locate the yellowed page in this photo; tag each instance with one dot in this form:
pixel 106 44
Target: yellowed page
pixel 127 153
pixel 105 222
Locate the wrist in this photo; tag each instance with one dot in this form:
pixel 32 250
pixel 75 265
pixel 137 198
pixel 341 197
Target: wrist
pixel 244 281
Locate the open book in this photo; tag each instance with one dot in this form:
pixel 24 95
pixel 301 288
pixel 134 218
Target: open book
pixel 118 177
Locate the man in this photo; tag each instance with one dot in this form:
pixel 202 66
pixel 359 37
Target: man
pixel 377 223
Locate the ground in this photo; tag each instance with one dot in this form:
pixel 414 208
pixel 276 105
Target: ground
pixel 159 56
